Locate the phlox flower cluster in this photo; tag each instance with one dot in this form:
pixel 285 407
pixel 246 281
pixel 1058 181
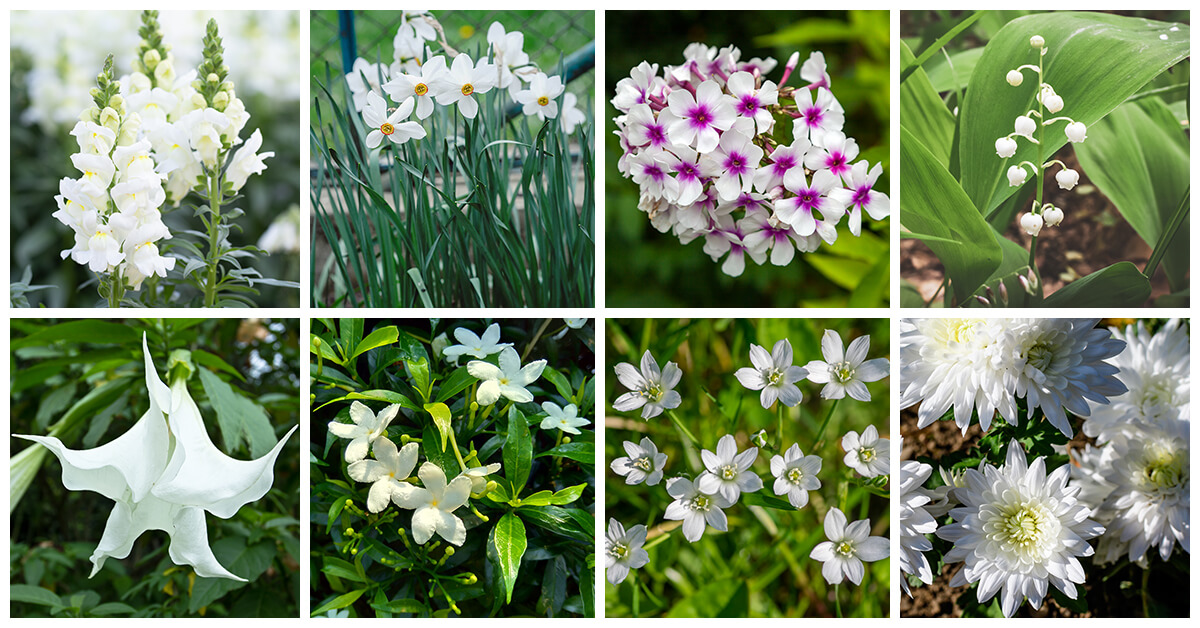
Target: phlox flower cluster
pixel 418 80
pixel 983 366
pixel 699 140
pixel 1025 126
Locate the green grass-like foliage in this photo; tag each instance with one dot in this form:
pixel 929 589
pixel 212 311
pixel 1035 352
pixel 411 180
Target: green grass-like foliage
pixel 530 540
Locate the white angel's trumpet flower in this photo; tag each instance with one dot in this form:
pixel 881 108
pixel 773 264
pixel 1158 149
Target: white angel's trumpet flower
pixel 163 474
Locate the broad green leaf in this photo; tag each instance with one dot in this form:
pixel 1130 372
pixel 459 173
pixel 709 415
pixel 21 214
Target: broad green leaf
pixel 872 291
pixel 508 540
pixel 554 587
pixel 924 114
pixel 847 273
pixel 455 383
pixel 1119 285
pixel 443 458
pixel 351 335
pixel 560 382
pixel 410 348
pixel 204 358
pixel 409 606
pixel 381 337
pixel 1094 61
pixel 910 296
pixel 931 202
pixel 572 522
pixel 1014 261
pixel 341 601
pixel 33 595
pixel 240 419
pixel 587 593
pixel 540 498
pixel 112 608
pixel 518 451
pixel 567 495
pixel 419 370
pixel 338 568
pixel 578 451
pixel 376 395
pixel 1138 157
pixel 499 494
pixel 86 330
pixel 947 76
pixel 321 346
pixel 441 418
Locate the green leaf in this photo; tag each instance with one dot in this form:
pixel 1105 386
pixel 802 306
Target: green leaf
pixel 455 383
pixel 579 451
pixel 1119 285
pixel 406 605
pixel 568 495
pixel 410 349
pixel 571 522
pixel 204 358
pixel 872 291
pixel 847 273
pixel 952 75
pixel 341 601
pixel 720 598
pixel 1094 61
pixel 766 501
pixel 86 330
pixel 443 458
pixel 540 498
pixel 112 608
pixel 560 382
pixel 518 451
pixel 419 370
pixel 338 568
pixel 33 595
pixel 380 337
pixel 931 202
pixel 240 419
pixel 441 418
pixel 587 593
pixel 509 542
pixel 323 348
pixel 554 587
pixel 376 395
pixel 924 114
pixel 1138 157
pixel 352 332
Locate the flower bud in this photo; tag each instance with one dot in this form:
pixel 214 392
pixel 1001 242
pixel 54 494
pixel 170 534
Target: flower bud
pixel 1076 132
pixel 1006 147
pixel 198 101
pixel 1053 216
pixel 1067 178
pixel 116 102
pixel 110 118
pixel 1053 102
pixel 220 101
pixel 165 72
pixel 213 78
pixel 91 114
pixel 1016 175
pixel 139 82
pixel 151 58
pixel 1031 224
pixel 1037 41
pixel 1024 125
pixel 1015 77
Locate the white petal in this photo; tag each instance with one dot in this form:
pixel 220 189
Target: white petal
pixel 189 545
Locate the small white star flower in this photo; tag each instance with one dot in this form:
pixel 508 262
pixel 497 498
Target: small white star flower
pixel 508 380
pixel 650 389
pixel 848 546
pixel 434 504
pixel 642 464
pixel 695 508
pixel 728 471
pixel 387 473
pixel 366 428
pixel 773 374
pixel 796 475
pixel 868 454
pixel 623 550
pixel 844 373
pixel 476 346
pixel 564 419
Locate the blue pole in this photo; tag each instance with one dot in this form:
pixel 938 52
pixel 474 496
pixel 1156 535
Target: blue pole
pixel 349 42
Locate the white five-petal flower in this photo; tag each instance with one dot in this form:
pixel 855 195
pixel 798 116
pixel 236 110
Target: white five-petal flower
pixel 773 374
pixel 435 504
pixel 844 373
pixel 651 389
pixel 564 419
pixel 847 548
pixel 507 380
pixel 642 464
pixel 796 475
pixel 393 126
pixel 623 550
pixel 476 346
pixel 366 427
pixel 728 471
pixel 386 473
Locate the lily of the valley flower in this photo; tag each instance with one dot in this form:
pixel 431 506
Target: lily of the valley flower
pixel 508 380
pixel 1031 224
pixel 163 474
pixel 366 428
pixel 386 472
pixel 435 504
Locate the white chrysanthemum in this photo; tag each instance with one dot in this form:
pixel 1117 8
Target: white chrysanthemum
pixel 1019 530
pixel 915 522
pixel 1060 362
pixel 943 499
pixel 1156 368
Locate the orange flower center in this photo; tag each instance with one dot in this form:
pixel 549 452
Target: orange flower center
pixel 387 128
pixel 420 89
pixel 543 101
pixel 468 89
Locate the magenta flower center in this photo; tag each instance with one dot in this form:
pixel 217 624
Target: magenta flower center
pixel 812 116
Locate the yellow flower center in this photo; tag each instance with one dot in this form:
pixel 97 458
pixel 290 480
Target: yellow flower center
pixel 642 463
pixel 420 89
pixel 729 472
pixel 845 548
pixel 387 128
pixel 794 475
pixel 543 101
pixel 468 89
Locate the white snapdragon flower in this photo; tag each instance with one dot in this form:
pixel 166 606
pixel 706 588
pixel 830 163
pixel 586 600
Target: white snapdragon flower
pixel 844 373
pixel 565 418
pixel 642 463
pixel 728 472
pixel 695 508
pixel 796 475
pixel 366 427
pixel 247 161
pixel 868 454
pixel 509 380
pixel 623 550
pixel 476 346
pixel 847 548
pixel 650 389
pixel 915 523
pixel 773 374
pixel 433 506
pixel 386 473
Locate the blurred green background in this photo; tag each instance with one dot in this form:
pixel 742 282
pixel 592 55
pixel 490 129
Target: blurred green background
pixel 650 269
pixel 760 568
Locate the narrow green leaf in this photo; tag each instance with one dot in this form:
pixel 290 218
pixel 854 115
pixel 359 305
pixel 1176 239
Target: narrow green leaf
pixel 441 418
pixel 924 114
pixel 766 501
pixel 380 337
pixel 579 451
pixel 518 451
pixel 77 331
pixel 112 608
pixel 443 458
pixel 408 606
pixel 204 358
pixel 419 370
pixel 455 383
pixel 560 382
pixel 540 498
pixel 554 587
pixel 937 45
pixel 508 540
pixel 341 601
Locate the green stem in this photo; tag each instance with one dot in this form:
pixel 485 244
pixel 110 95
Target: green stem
pixel 945 280
pixel 679 424
pixel 457 453
pixel 214 221
pixel 1041 171
pixel 636 595
pixel 837 602
pixel 1146 592
pixel 825 424
pixel 537 336
pixel 782 412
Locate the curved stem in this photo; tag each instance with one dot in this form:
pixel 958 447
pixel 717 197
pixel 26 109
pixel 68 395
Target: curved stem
pixel 684 430
pixel 825 424
pixel 782 412
pixel 1041 178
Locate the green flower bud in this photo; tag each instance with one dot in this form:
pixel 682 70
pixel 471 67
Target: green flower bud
pixel 213 78
pixel 150 58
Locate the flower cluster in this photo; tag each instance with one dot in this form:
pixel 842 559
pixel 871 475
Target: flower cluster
pixel 986 365
pixel 417 79
pixel 1025 126
pixel 700 142
pixel 728 475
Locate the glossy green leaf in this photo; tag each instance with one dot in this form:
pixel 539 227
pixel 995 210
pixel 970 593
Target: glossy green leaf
pixel 204 358
pixel 443 458
pixel 112 608
pixel 554 587
pixel 567 495
pixel 924 114
pixel 1119 285
pixel 932 203
pixel 509 542
pixel 1095 61
pixel 1138 157
pixel 29 594
pixel 351 334
pixel 376 395
pixel 766 501
pixel 518 451
pixel 421 379
pixel 441 418
pixel 455 383
pixel 86 330
pixel 381 337
pixel 405 605
pixel 577 451
pixel 341 601
pixel 540 498
pixel 560 382
pixel 1014 261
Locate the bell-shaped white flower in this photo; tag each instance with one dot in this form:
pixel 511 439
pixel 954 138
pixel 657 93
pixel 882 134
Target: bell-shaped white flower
pixel 367 427
pixel 1014 77
pixel 1053 103
pixel 1037 41
pixel 435 504
pixel 163 474
pixel 1053 216
pixel 1006 147
pixel 1076 132
pixel 1016 175
pixel 1067 178
pixel 1031 224
pixel 1024 125
pixel 386 473
pixel 507 380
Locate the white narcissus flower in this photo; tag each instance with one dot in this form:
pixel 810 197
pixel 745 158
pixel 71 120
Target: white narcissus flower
pixel 462 81
pixel 1019 530
pixel 1031 224
pixel 845 373
pixel 695 508
pixel 365 78
pixel 565 419
pixel 391 126
pixel 507 380
pixel 868 454
pixel 386 473
pixel 642 463
pixel 1006 147
pixel 773 374
pixel 729 471
pixel 623 550
pixel 915 523
pixel 435 504
pixel 847 548
pixel 796 475
pixel 163 474
pixel 476 346
pixel 247 161
pixel 575 323
pixel 541 96
pixel 405 86
pixel 366 427
pixel 650 389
